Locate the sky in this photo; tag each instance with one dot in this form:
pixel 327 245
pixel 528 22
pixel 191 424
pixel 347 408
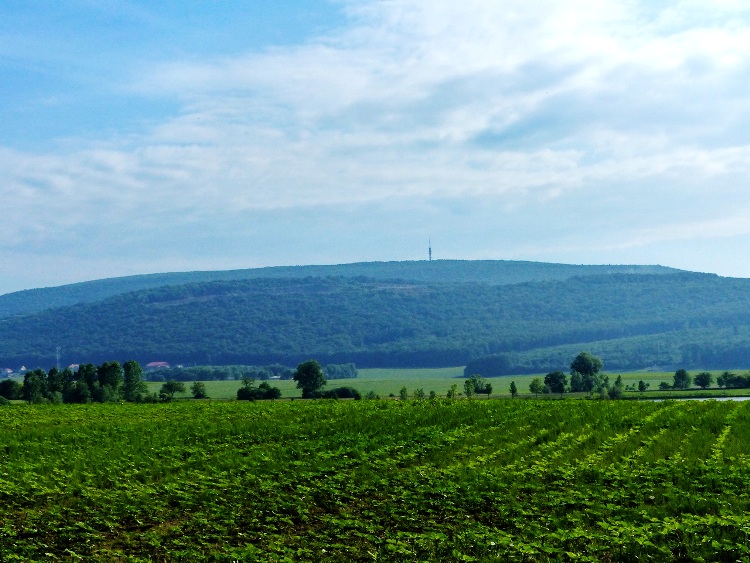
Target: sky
pixel 140 137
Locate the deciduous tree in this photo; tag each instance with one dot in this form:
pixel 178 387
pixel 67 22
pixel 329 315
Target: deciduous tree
pixel 682 379
pixel 169 389
pixel 310 378
pixel 469 388
pixel 198 389
pixel 10 389
pixel 133 387
pixel 536 386
pixel 587 366
pixel 556 381
pixel 704 379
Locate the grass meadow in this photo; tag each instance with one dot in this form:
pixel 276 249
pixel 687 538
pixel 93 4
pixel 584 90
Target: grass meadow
pixel 389 381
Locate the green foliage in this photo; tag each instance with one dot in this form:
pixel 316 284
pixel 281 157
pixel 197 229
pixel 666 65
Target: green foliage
pixel 556 381
pixel 513 389
pixel 492 272
pixel 342 393
pixel 310 378
pixel 476 385
pixel 704 379
pixel 584 374
pixel 692 320
pixel 733 381
pixel 133 385
pixel 198 389
pixel 403 393
pixel 34 386
pixel 340 371
pixel 469 388
pixel 376 480
pixel 682 379
pixel 170 389
pixel 616 390
pixel 643 386
pixel 108 382
pixel 10 389
pixel 264 392
pixel 536 386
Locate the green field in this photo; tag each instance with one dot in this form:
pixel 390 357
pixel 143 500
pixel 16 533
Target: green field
pixel 503 480
pixel 385 382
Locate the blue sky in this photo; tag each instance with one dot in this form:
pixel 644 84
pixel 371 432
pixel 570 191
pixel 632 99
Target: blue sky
pixel 144 137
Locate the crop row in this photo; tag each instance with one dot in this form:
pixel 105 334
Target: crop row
pixel 388 480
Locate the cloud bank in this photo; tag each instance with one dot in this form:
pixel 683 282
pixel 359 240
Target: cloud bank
pixel 559 131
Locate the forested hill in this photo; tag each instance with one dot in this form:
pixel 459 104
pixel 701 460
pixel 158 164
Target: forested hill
pixel 493 272
pixel 634 321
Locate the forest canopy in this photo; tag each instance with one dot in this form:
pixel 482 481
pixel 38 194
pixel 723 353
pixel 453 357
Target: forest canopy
pixel 634 320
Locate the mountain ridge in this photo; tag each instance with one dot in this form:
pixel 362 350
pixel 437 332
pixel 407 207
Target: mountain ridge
pixel 494 272
pixel 639 320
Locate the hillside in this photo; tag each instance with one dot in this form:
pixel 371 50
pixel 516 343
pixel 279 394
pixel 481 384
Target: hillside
pixel 493 272
pixel 633 320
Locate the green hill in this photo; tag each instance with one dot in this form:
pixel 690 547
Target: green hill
pixel 493 272
pixel 633 320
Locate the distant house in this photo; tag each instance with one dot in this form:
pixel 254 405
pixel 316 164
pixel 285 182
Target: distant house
pixel 6 372
pixel 74 367
pixel 151 366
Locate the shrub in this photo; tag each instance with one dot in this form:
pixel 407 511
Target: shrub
pixel 342 393
pixel 261 393
pixel 10 389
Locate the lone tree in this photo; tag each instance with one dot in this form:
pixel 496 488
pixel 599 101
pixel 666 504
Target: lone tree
pixel 133 387
pixel 704 379
pixel 556 381
pixel 682 380
pixel 536 386
pixel 513 389
pixel 310 378
pixel 584 373
pixel 198 389
pixel 469 388
pixel 616 391
pixel 168 390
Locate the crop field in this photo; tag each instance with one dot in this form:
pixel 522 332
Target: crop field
pixel 465 480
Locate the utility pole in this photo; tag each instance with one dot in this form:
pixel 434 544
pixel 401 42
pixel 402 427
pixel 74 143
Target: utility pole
pixel 429 249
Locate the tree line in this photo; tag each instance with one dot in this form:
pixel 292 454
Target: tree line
pixel 107 382
pixel 112 381
pixel 586 377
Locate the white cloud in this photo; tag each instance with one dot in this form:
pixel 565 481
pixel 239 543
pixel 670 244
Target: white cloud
pixel 527 108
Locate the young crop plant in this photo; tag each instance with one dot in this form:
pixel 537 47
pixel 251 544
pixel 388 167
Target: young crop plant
pixel 437 480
